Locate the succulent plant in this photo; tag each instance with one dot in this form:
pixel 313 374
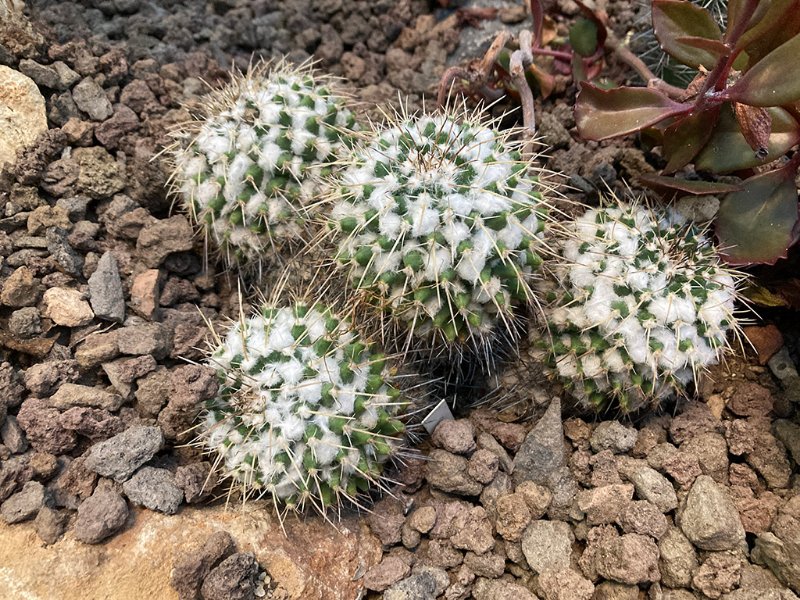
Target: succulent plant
pixel 646 45
pixel 637 304
pixel 439 221
pixel 248 166
pixel 738 113
pixel 306 413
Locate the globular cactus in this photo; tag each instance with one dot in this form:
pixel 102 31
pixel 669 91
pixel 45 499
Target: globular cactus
pixel 247 168
pixel 438 220
pixel 306 413
pixel 637 304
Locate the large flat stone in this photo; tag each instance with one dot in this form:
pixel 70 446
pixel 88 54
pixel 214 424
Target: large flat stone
pixel 312 562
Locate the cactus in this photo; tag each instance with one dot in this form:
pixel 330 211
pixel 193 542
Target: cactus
pixel 438 220
pixel 247 168
pixel 306 413
pixel 637 304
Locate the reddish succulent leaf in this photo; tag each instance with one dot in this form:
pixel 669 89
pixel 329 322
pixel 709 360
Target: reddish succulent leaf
pixel 601 114
pixel 674 19
pixel 537 15
pixel 756 224
pixel 728 151
pixel 687 186
pixel 755 124
pixel 684 138
pixel 714 47
pixel 772 81
pixel 773 23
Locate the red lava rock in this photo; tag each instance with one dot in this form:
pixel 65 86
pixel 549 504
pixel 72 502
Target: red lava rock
pixel 192 568
pixel 43 429
pixel 766 340
pixel 145 293
pixel 390 570
pixel 750 400
pixel 191 385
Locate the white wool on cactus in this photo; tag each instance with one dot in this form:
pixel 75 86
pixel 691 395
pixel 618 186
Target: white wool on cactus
pixel 248 165
pixel 306 413
pixel 440 220
pixel 636 303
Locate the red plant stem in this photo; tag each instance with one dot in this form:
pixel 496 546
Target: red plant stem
pixel 559 54
pixel 718 78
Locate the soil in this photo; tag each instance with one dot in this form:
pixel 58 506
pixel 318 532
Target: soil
pixel 519 497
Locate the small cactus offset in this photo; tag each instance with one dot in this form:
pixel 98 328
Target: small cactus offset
pixel 247 168
pixel 439 220
pixel 306 414
pixel 638 303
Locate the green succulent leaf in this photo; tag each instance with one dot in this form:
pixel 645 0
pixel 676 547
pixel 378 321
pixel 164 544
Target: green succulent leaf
pixel 583 37
pixel 694 188
pixel 676 19
pixel 756 224
pixel 773 80
pixel 602 114
pixel 684 138
pixel 728 151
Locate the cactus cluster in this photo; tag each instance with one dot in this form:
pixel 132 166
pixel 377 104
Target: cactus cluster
pixel 247 169
pixel 639 302
pixel 439 220
pixel 306 413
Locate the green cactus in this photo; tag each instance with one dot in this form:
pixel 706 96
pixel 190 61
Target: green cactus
pixel 439 220
pixel 306 413
pixel 637 303
pixel 247 168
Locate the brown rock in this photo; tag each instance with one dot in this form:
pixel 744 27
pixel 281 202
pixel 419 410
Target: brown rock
pixel 42 428
pixel 122 373
pixel 536 496
pixel 100 516
pixel 696 419
pixel 72 394
pixel 423 519
pixel 21 288
pixel 98 348
pixel 457 436
pixel 73 485
pixel 197 480
pixel 766 340
pixel 159 239
pixel 473 531
pixel 448 472
pixel 191 385
pixel 44 379
pixel 604 505
pixel 719 574
pixel 145 293
pixel 750 400
pixel 483 466
pixel 390 570
pixel 769 459
pixel 192 568
pixel 643 517
pixel 96 424
pixel 565 584
pixel 513 516
pixel 711 452
pixel 500 589
pixel 386 520
pixel 630 558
